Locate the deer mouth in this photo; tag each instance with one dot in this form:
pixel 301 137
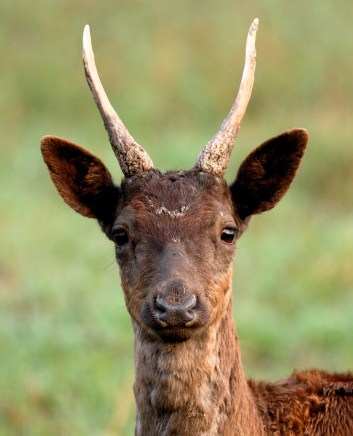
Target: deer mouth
pixel 173 333
pixel 176 334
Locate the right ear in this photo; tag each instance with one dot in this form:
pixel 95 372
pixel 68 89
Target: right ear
pixel 81 179
pixel 266 174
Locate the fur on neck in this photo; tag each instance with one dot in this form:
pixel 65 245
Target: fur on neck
pixel 196 387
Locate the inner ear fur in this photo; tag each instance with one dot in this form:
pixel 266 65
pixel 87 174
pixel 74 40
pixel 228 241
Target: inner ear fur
pixel 266 174
pixel 81 178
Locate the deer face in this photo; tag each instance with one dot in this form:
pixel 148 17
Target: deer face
pixel 175 239
pixel 174 233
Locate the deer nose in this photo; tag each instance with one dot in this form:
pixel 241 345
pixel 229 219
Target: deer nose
pixel 176 314
pixel 175 308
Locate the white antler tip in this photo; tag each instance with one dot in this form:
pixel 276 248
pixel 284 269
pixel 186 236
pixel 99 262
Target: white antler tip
pixel 254 26
pixel 86 30
pixel 86 38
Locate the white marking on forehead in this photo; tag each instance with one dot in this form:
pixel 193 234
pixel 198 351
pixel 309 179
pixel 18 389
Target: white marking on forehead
pixel 176 213
pixel 172 213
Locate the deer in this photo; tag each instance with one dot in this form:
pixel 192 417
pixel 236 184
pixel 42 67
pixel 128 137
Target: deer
pixel 175 236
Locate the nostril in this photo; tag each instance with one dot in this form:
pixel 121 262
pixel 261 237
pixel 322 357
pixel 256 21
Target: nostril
pixel 161 305
pixel 188 305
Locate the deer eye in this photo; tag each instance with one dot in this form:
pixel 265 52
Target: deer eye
pixel 120 237
pixel 228 235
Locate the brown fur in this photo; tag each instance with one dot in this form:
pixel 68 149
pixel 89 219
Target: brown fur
pixel 307 403
pixel 81 179
pixel 189 378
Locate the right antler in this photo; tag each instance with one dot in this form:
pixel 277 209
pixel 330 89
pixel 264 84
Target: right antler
pixel 215 156
pixel 131 156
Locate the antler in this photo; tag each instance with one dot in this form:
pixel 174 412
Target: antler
pixel 215 155
pixel 131 156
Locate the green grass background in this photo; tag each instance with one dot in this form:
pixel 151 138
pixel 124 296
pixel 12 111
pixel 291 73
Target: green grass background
pixel 171 70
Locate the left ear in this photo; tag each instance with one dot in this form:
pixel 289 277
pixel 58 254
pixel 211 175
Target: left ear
pixel 266 174
pixel 81 179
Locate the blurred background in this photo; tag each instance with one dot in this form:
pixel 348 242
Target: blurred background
pixel 172 70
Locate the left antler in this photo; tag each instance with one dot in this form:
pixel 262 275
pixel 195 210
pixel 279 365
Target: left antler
pixel 215 156
pixel 131 156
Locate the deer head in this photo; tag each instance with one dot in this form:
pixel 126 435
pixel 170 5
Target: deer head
pixel 175 233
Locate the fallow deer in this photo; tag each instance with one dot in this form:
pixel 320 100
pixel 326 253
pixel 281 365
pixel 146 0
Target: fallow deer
pixel 175 236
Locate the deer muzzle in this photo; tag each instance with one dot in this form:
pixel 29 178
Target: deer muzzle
pixel 176 307
pixel 174 312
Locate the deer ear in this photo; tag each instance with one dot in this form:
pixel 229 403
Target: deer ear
pixel 81 179
pixel 266 174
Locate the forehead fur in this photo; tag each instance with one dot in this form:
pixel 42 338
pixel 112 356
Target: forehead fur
pixel 173 191
pixel 175 204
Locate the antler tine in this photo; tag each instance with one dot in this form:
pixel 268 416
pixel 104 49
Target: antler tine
pixel 131 156
pixel 215 156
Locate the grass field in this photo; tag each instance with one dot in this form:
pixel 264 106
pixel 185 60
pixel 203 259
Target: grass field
pixel 171 70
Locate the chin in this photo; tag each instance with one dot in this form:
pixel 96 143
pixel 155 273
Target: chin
pixel 176 335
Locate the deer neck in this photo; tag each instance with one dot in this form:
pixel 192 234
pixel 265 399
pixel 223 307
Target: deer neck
pixel 196 387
